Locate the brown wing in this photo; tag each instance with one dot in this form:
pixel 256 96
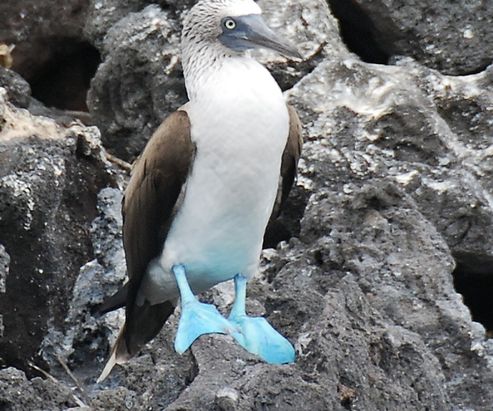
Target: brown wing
pixel 156 182
pixel 276 230
pixel 155 185
pixel 289 164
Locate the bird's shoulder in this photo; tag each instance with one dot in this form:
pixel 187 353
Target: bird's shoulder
pixel 168 149
pixel 152 193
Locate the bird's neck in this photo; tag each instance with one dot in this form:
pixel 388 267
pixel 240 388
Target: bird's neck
pixel 204 67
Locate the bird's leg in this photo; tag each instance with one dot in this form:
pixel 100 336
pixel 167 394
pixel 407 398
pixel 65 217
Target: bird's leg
pixel 196 318
pixel 256 334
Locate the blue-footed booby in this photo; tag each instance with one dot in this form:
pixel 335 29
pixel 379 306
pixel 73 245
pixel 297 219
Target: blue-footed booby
pixel 202 192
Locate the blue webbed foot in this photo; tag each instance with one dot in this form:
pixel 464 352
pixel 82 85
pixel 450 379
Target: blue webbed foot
pixel 259 337
pixel 256 334
pixel 196 318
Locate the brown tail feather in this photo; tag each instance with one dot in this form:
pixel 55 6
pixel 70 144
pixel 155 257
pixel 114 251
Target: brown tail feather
pixel 119 355
pixel 144 323
pixel 141 326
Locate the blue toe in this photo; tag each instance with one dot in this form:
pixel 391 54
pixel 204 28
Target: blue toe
pixel 197 319
pixel 259 337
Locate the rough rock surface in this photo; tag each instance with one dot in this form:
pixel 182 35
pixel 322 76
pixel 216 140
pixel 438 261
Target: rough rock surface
pixel 103 14
pixel 396 198
pixel 448 36
pixel 20 394
pixel 18 89
pixel 49 179
pixel 138 82
pixel 39 29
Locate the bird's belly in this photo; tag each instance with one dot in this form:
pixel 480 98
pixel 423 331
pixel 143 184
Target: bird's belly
pixel 219 229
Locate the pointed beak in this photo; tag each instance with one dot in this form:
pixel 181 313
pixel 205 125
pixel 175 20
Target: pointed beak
pixel 261 35
pixel 251 32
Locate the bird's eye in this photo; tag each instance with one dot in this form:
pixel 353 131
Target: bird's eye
pixel 229 23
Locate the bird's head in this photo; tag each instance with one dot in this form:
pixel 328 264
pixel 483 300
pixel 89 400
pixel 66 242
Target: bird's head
pixel 236 25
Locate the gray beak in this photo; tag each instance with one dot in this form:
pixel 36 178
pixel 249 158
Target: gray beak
pixel 251 31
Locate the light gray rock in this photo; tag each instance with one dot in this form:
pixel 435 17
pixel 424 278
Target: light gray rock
pixel 4 272
pixel 103 14
pixel 4 267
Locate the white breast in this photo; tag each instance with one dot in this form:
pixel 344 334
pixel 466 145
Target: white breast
pixel 240 125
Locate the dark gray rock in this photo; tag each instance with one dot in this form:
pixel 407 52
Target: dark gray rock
pixel 139 81
pixel 20 394
pixel 389 121
pixel 39 30
pixel 49 179
pixel 19 93
pixel 82 347
pixel 452 37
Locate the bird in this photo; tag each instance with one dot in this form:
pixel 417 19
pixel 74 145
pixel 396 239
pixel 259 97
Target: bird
pixel 205 186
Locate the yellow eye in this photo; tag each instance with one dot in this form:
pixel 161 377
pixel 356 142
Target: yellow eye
pixel 230 24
